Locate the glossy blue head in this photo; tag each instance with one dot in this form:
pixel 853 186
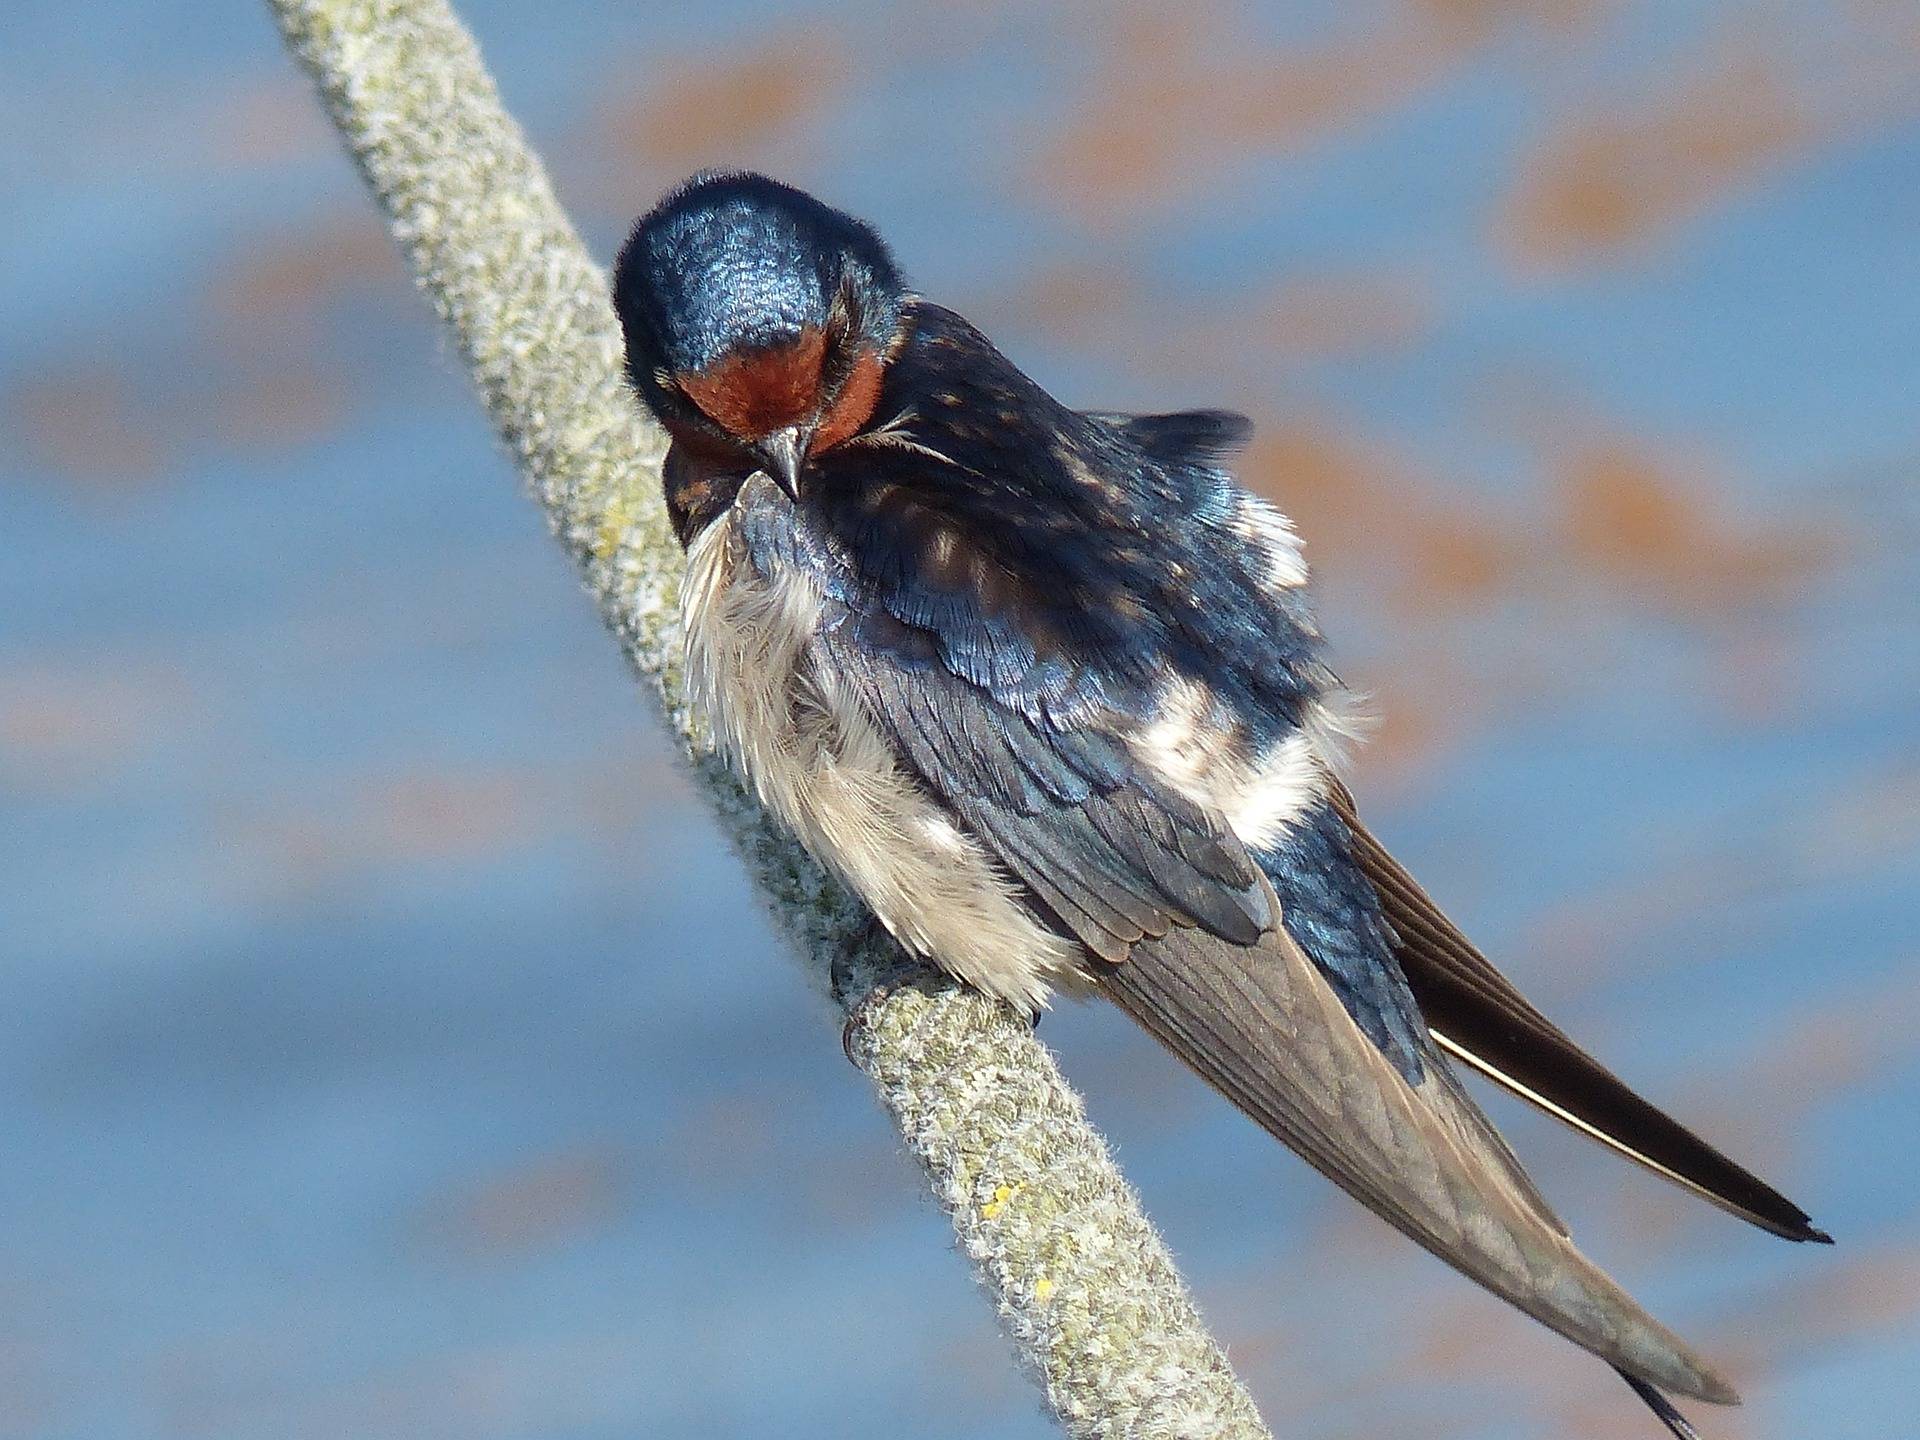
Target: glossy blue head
pixel 757 320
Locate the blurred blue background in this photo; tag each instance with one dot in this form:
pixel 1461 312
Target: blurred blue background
pixel 389 1047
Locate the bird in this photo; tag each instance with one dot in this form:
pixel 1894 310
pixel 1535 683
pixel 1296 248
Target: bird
pixel 1045 688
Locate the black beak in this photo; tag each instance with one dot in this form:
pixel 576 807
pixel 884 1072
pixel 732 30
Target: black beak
pixel 786 452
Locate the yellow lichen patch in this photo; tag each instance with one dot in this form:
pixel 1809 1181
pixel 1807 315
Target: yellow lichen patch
pixel 1001 1195
pixel 1043 1289
pixel 615 521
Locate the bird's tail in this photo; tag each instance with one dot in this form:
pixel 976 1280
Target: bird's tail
pixel 1262 1026
pixel 1677 1424
pixel 1480 1018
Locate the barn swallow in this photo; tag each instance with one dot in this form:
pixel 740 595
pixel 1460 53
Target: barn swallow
pixel 1044 688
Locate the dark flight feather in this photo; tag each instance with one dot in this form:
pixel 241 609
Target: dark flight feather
pixel 1477 1015
pixel 1262 1026
pixel 1677 1424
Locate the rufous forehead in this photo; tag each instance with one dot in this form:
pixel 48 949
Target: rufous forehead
pixel 755 392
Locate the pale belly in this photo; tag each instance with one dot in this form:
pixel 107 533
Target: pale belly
pixel 814 757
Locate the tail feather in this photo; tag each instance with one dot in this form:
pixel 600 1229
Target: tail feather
pixel 1481 1019
pixel 1677 1424
pixel 1261 1025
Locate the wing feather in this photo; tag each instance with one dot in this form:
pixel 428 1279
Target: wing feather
pixel 1477 1015
pixel 1261 1025
pixel 1164 893
pixel 1113 855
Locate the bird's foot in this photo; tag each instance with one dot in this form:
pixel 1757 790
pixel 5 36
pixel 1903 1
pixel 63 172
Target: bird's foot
pixel 852 971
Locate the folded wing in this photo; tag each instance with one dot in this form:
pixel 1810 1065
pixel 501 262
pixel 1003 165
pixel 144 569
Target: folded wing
pixel 1477 1015
pixel 1263 1027
pixel 1186 930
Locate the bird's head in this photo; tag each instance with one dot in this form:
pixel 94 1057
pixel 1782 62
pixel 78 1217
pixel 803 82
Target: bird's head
pixel 757 320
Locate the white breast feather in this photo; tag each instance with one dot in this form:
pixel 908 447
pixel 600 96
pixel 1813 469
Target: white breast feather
pixel 817 760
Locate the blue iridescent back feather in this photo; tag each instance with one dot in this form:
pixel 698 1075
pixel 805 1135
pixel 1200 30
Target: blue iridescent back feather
pixel 1330 909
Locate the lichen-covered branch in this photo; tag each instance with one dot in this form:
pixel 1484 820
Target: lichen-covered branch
pixel 1082 1283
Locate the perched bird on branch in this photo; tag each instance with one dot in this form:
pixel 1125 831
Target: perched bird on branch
pixel 1044 688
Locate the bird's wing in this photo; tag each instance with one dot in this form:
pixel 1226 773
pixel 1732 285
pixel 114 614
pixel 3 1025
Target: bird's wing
pixel 1476 1014
pixel 1184 437
pixel 1013 595
pixel 1260 1024
pixel 1111 854
pixel 1164 891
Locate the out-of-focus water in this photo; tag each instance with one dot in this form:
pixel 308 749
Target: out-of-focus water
pixel 390 1049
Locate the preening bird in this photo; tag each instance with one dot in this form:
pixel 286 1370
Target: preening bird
pixel 1043 686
